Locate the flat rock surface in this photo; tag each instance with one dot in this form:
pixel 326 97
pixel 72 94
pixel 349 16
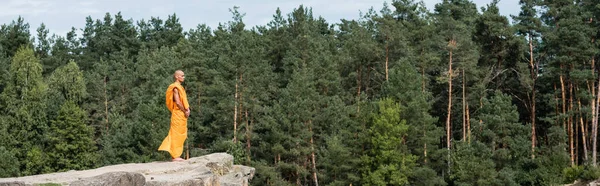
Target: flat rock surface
pixel 212 168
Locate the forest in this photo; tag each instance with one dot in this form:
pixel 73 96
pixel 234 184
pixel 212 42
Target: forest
pixel 457 95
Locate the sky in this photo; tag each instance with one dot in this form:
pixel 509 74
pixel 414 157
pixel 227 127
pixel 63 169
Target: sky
pixel 60 15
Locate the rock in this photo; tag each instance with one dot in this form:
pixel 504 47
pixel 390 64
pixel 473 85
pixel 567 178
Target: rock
pixel 211 170
pixel 113 178
pixel 14 183
pixel 238 177
pixel 207 180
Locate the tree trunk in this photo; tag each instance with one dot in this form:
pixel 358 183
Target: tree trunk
pixel 199 99
pixel 387 54
pixel 583 136
pixel 358 82
pixel 449 104
pixel 533 71
pixel 564 99
pixel 424 129
pixel 248 133
pixel 105 104
pixel 464 109
pixel 312 147
pixel 367 82
pixel 235 112
pixel 577 117
pixel 423 79
pixel 452 43
pixel 595 126
pixel 570 123
pixel 468 125
pixel 556 108
pixel 423 91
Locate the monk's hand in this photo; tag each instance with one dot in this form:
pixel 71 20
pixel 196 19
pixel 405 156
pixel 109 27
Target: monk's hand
pixel 187 113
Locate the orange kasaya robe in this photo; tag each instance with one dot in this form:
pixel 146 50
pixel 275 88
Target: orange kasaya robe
pixel 173 143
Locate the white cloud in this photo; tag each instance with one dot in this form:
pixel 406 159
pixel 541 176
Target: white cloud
pixel 60 15
pixel 25 7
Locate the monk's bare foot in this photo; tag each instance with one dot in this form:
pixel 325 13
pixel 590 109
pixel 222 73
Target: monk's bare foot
pixel 178 159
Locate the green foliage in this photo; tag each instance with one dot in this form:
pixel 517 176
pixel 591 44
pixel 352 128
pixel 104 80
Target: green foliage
pixel 590 173
pixel 235 149
pixel 572 173
pixel 580 173
pixel 15 36
pixel 387 162
pixel 469 157
pixel 362 97
pixel 25 111
pixel 9 165
pixel 336 157
pixel 37 162
pixel 68 82
pixel 71 146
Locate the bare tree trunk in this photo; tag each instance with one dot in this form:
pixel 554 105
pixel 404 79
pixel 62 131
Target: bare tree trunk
pixel 248 139
pixel 368 82
pixel 564 99
pixel 595 126
pixel 452 43
pixel 235 113
pixel 423 79
pixel 423 91
pixel 424 129
pixel 464 109
pixel 387 54
pixel 576 138
pixel 312 147
pixel 199 99
pixel 583 136
pixel 468 125
pixel 533 71
pixel 556 108
pixel 358 82
pixel 570 123
pixel 105 104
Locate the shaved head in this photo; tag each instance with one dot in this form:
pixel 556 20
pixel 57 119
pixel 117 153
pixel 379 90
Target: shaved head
pixel 178 76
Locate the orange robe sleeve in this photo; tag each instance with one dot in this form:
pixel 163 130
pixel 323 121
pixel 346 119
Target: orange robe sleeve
pixel 174 141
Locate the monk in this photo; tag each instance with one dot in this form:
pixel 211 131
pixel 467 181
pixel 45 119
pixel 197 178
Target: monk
pixel 177 103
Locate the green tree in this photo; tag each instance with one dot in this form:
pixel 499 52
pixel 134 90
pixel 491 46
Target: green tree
pixel 529 25
pixel 9 165
pixel 25 110
pixel 503 135
pixel 422 138
pixel 71 144
pixel 65 84
pixel 387 162
pixel 4 67
pixel 15 35
pixel 459 59
pixel 475 156
pixel 568 42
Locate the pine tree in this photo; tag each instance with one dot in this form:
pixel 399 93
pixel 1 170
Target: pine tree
pixel 459 59
pixel 528 25
pixel 71 146
pixel 9 165
pixel 502 133
pixel 388 161
pixel 4 67
pixel 25 100
pixel 475 156
pixel 422 139
pixel 15 35
pixel 569 41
